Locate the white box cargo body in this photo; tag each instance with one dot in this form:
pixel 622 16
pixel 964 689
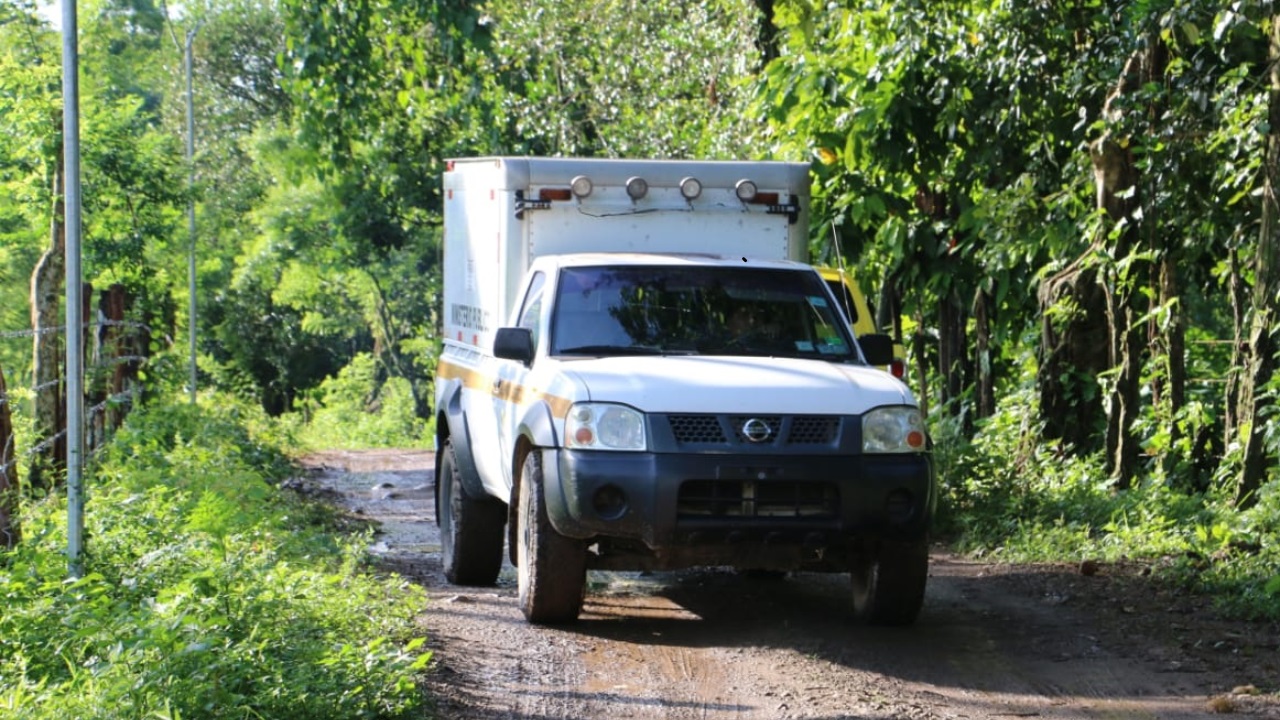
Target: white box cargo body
pixel 496 221
pixel 640 372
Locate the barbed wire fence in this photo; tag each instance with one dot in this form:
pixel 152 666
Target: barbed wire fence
pixel 114 353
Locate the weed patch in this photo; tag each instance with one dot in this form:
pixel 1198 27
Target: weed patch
pixel 207 593
pixel 1010 495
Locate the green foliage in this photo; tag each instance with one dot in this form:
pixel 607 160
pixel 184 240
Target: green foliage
pixel 668 79
pixel 263 349
pixel 360 409
pixel 1009 495
pixel 207 593
pixel 309 292
pixel 29 123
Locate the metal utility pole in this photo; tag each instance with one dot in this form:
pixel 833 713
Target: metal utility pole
pixel 75 308
pixel 191 214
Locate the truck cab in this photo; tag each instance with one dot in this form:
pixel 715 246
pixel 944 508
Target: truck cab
pixel 651 402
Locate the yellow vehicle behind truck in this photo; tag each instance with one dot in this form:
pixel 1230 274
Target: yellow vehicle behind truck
pixel 856 308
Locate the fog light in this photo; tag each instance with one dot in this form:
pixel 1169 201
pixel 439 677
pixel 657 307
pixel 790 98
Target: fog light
pixel 900 505
pixel 610 502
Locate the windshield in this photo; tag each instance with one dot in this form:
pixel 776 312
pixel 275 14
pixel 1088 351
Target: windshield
pixel 665 309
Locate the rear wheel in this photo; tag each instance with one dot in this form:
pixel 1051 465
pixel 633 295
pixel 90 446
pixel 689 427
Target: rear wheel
pixel 552 568
pixel 889 582
pixel 471 529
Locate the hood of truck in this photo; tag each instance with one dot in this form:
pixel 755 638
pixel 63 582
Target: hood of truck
pixel 723 384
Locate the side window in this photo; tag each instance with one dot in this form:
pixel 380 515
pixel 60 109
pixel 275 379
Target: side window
pixel 531 308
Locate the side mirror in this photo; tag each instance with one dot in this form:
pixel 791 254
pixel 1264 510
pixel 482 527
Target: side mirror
pixel 514 343
pixel 877 348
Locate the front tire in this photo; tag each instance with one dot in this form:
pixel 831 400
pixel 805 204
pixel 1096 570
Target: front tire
pixel 889 582
pixel 552 568
pixel 471 529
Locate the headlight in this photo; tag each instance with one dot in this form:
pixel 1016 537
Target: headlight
pixel 893 430
pixel 601 426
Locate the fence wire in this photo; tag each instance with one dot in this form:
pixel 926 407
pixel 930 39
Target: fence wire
pixel 90 414
pixel 11 334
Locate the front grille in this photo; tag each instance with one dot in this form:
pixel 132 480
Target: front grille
pixel 733 429
pixel 749 499
pixel 813 430
pixel 696 428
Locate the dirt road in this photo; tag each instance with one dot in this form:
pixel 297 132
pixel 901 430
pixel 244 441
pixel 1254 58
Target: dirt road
pixel 993 641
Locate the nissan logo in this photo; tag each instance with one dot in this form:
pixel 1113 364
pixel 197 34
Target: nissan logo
pixel 756 430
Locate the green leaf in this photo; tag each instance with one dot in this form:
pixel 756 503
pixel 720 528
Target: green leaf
pixel 1273 586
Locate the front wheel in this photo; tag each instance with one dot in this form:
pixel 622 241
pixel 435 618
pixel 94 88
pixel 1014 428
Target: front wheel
pixel 552 568
pixel 471 529
pixel 889 581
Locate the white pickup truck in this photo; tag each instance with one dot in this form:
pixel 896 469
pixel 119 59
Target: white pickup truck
pixel 640 372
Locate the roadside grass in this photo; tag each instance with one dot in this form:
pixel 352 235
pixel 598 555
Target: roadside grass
pixel 1009 495
pixel 206 591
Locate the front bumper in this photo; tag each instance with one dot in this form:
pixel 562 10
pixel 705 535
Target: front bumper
pixel 679 500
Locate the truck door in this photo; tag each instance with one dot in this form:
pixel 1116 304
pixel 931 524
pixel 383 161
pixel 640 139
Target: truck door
pixel 509 387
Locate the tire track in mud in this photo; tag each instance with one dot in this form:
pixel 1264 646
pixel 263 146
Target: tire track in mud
pixel 992 642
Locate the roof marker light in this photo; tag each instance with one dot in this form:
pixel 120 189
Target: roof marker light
pixel 581 186
pixel 690 188
pixel 550 194
pixel 637 187
pixel 745 190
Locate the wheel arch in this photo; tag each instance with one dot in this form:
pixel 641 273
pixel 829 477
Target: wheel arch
pixel 452 428
pixel 536 430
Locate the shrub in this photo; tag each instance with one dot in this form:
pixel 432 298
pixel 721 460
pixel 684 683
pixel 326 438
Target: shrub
pixel 1009 493
pixel 357 410
pixel 207 593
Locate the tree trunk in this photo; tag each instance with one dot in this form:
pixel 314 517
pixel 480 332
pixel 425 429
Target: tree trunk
pixel 10 534
pixel 1121 441
pixel 46 295
pixel 1073 316
pixel 767 35
pixel 888 310
pixel 952 358
pixel 1175 336
pixel 118 352
pixel 1116 179
pixel 1172 391
pixel 986 389
pixel 1240 361
pixel 395 365
pixel 1254 400
pixel 920 342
